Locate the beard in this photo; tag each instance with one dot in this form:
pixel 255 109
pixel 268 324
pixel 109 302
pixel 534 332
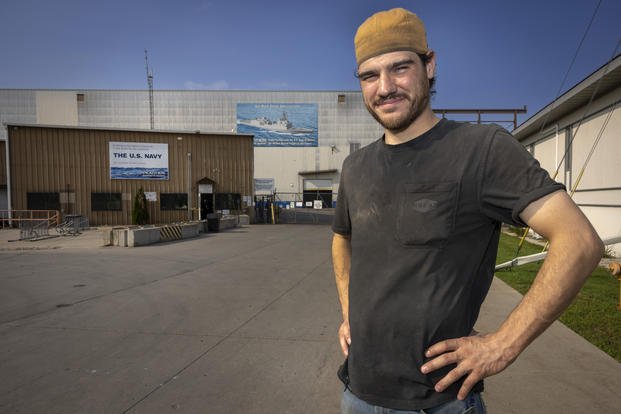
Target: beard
pixel 418 102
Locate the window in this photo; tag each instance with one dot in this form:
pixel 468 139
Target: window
pixel 106 202
pixel 341 99
pixel 80 97
pixel 43 201
pixel 173 201
pixel 228 201
pixel 354 146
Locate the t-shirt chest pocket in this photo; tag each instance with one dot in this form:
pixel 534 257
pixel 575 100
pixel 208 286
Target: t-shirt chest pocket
pixel 426 213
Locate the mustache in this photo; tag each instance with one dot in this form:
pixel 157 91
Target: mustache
pixel 383 99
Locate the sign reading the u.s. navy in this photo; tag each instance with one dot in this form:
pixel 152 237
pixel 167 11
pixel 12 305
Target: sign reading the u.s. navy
pixel 138 161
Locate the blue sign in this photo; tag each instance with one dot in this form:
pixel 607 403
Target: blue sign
pixel 279 125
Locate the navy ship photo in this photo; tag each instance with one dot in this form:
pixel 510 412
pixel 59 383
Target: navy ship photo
pixel 282 125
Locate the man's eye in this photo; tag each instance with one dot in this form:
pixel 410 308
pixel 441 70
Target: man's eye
pixel 400 69
pixel 368 77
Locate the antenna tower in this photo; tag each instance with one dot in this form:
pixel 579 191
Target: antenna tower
pixel 150 83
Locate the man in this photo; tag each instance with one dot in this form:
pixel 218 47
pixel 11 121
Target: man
pixel 416 233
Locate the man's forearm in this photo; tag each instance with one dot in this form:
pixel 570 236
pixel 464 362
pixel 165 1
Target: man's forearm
pixel 571 259
pixel 575 250
pixel 341 261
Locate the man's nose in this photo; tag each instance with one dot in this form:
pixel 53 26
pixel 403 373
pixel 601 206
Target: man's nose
pixel 386 85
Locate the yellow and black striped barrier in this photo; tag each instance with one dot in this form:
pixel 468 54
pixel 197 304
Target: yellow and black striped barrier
pixel 169 233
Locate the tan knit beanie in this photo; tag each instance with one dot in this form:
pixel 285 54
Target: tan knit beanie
pixel 390 31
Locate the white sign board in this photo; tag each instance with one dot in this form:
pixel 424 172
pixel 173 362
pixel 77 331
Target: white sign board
pixel 317 204
pixel 264 184
pixel 138 161
pixel 150 195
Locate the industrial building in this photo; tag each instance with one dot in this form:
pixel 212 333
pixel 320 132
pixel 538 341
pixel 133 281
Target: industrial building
pixel 300 145
pixel 301 138
pixel 576 138
pixel 96 172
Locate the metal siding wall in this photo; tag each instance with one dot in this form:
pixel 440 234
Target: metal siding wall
pixel 17 106
pixel 339 123
pixel 49 159
pixel 57 107
pixel 605 164
pixel 547 154
pixel 215 111
pixel 3 163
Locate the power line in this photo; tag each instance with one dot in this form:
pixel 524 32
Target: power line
pixel 573 60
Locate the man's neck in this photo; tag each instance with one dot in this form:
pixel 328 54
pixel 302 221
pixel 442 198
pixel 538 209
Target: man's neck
pixel 422 124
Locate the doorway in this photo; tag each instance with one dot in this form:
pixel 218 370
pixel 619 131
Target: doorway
pixel 206 204
pixel 205 196
pixel 318 189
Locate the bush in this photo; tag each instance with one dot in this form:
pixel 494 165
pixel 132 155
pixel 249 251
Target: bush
pixel 140 214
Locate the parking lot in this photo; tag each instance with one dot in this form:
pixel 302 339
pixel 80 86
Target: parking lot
pixel 242 321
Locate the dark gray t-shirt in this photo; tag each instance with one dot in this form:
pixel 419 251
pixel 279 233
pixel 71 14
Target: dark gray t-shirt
pixel 424 219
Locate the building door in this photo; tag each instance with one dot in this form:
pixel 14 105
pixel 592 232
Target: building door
pixel 205 195
pixel 318 189
pixel 206 204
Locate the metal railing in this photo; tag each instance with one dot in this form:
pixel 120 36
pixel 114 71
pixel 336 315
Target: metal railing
pixel 285 199
pixel 14 218
pixel 71 224
pixel 33 230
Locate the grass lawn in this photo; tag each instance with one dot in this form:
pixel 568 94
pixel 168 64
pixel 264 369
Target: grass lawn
pixel 593 315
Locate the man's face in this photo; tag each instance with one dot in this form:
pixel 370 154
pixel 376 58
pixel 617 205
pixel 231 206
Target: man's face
pixel 395 88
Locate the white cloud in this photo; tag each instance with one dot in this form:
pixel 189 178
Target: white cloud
pixel 217 85
pixel 274 85
pixel 221 84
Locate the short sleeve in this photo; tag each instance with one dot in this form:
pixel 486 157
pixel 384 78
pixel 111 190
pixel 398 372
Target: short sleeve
pixel 341 223
pixel 512 179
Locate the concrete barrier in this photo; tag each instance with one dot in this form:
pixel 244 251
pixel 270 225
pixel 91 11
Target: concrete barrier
pixel 190 230
pixel 142 236
pixel 106 236
pixel 244 220
pixel 119 237
pixel 228 222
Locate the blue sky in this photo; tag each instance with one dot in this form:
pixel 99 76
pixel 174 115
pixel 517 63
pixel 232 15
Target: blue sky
pixel 491 54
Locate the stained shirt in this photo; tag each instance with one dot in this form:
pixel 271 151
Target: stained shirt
pixel 424 219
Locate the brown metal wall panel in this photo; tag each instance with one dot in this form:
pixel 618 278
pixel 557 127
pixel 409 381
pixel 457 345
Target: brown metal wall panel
pixel 72 160
pixel 2 163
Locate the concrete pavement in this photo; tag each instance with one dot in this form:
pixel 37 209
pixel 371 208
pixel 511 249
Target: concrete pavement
pixel 242 321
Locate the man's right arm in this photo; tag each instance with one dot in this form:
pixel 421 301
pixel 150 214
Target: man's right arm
pixel 341 261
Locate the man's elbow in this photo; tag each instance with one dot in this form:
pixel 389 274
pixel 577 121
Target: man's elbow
pixel 594 247
pixel 589 246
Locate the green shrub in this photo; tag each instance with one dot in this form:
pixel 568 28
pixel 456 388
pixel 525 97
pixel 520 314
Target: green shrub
pixel 140 214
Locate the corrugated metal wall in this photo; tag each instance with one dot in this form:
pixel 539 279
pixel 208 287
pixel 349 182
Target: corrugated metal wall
pixel 2 163
pixel 75 162
pixel 340 121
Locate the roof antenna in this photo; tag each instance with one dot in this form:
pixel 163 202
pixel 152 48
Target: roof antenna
pixel 150 83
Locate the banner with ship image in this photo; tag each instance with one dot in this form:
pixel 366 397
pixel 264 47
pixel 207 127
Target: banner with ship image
pixel 138 161
pixel 279 125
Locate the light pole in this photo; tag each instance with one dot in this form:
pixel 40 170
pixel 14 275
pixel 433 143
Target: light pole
pixel 189 186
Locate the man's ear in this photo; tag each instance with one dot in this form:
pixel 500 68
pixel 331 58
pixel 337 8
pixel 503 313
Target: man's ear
pixel 431 64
